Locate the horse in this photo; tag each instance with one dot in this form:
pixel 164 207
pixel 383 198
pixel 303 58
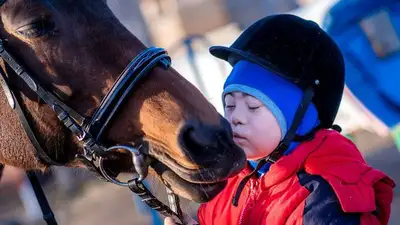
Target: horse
pixel 74 53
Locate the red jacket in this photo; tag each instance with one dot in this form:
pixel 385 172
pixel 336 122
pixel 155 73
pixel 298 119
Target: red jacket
pixel 324 181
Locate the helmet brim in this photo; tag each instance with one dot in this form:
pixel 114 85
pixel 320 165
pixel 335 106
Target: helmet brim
pixel 232 56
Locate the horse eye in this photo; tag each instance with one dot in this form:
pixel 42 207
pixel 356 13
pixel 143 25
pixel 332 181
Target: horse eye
pixel 40 27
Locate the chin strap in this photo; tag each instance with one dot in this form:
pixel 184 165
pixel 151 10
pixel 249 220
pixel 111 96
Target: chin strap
pixel 284 144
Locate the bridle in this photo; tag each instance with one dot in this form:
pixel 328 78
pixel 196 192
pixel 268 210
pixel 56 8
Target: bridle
pixel 89 132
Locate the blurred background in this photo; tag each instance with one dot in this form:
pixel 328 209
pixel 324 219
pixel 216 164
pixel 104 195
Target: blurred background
pixel 367 31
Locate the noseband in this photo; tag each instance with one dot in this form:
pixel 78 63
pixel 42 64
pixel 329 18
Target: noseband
pixel 89 132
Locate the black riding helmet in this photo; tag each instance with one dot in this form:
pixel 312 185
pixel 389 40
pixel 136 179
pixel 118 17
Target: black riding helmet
pixel 301 52
pixel 298 50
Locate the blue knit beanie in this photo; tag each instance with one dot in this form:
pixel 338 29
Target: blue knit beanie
pixel 280 96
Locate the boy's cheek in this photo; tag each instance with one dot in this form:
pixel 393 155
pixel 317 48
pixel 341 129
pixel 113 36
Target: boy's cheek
pixel 240 143
pixel 247 148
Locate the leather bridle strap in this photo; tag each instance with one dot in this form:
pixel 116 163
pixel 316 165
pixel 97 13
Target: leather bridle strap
pixel 129 78
pixel 48 214
pixel 14 104
pixel 46 96
pixel 1 170
pixel 90 133
pixel 147 197
pixel 139 67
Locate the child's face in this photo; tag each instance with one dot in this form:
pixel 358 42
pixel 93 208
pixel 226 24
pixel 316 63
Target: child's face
pixel 254 127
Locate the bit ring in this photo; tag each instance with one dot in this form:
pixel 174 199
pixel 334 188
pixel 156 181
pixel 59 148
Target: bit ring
pixel 132 150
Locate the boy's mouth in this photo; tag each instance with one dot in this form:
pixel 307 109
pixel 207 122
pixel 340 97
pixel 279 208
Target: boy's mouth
pixel 239 139
pixel 238 136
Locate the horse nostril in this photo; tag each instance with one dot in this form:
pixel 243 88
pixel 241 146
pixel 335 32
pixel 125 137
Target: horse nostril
pixel 199 135
pixel 197 138
pixel 206 142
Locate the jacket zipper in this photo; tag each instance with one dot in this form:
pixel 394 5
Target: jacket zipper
pixel 250 201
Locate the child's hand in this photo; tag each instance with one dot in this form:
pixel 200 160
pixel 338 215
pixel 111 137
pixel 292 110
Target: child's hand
pixel 187 220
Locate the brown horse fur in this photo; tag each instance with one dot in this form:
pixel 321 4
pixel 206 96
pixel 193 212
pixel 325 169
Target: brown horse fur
pixel 81 50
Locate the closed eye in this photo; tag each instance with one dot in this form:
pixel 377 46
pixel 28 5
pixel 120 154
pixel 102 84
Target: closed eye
pixel 42 26
pixel 254 108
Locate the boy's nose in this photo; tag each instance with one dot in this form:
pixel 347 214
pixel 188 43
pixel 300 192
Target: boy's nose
pixel 237 117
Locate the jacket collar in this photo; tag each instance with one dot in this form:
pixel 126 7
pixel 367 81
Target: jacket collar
pixel 292 163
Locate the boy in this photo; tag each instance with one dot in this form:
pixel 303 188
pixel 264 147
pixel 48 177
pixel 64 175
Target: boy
pixel 281 99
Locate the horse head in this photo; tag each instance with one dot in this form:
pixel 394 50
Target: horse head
pixel 77 50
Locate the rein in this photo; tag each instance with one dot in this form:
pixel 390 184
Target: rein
pixel 89 132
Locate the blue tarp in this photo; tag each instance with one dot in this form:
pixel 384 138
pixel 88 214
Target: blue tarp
pixel 374 80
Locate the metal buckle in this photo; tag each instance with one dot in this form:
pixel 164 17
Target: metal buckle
pixel 82 135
